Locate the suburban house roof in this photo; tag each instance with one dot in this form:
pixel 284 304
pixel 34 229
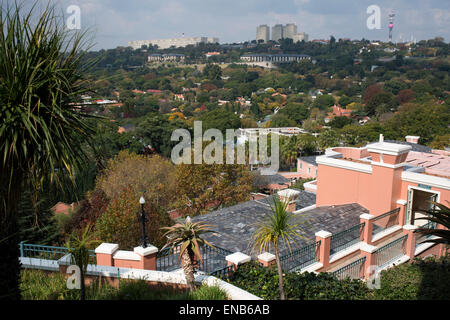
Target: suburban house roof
pixel 236 225
pixel 309 159
pixel 264 180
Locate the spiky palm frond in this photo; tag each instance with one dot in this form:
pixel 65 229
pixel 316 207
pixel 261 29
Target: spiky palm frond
pixel 277 226
pixel 440 214
pixel 187 236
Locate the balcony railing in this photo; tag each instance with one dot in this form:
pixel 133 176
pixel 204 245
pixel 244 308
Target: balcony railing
pixel 385 221
pixel 390 252
pixel 38 251
pixel 344 239
pixel 420 238
pixel 354 270
pixel 300 258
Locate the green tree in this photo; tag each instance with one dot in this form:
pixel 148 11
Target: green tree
pixel 187 236
pixel 323 102
pixel 40 131
pixel 212 72
pixel 277 227
pixel 220 119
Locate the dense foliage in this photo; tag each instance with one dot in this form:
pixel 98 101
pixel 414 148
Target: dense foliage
pixel 263 282
pixel 427 279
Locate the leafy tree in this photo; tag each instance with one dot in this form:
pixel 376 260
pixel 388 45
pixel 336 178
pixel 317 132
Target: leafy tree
pixel 323 102
pixel 212 72
pixel 295 111
pixel 340 122
pixel 405 96
pixel 187 236
pixel 40 132
pixel 152 176
pixel 220 119
pixel 441 142
pixel 155 130
pixel 204 187
pixel 380 103
pixel 282 120
pixel 277 227
pixel 371 91
pixel 328 139
pixel 120 224
pixel 307 144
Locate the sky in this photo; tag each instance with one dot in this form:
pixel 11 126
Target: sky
pixel 116 22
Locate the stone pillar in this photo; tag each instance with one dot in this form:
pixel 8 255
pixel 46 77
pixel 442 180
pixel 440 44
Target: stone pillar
pixel 105 252
pixel 237 259
pixel 369 252
pixel 148 256
pixel 266 259
pixel 411 241
pixel 324 253
pixel 368 227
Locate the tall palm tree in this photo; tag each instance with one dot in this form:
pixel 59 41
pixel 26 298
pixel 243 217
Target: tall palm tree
pixel 187 237
pixel 40 130
pixel 439 214
pixel 275 228
pixel 78 246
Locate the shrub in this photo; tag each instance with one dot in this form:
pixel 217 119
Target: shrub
pixel 39 285
pixel 263 282
pixel 423 279
pixel 205 292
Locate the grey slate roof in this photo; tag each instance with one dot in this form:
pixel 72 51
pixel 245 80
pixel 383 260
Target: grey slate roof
pixel 264 180
pixel 309 159
pixel 236 225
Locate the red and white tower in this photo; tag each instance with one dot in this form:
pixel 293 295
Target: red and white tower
pixel 391 24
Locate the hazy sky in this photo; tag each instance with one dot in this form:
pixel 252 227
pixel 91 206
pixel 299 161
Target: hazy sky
pixel 115 22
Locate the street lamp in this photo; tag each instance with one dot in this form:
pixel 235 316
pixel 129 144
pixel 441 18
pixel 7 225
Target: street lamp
pixel 143 219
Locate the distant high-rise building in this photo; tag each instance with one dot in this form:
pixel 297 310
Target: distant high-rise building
pixel 277 32
pixel 300 37
pixel 289 30
pixel 175 42
pixel 263 33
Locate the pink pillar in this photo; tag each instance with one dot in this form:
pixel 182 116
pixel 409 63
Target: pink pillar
pixel 324 254
pixel 266 259
pixel 402 214
pixel 104 254
pixel 411 241
pixel 369 252
pixel 148 257
pixel 368 227
pixel 237 259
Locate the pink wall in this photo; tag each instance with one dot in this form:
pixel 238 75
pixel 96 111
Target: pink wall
pixel 377 191
pixel 303 171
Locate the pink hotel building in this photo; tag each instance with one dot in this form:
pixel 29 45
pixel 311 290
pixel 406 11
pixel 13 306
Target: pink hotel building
pixel 381 177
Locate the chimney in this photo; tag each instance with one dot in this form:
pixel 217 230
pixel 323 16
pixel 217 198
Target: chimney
pixel 290 196
pixel 412 139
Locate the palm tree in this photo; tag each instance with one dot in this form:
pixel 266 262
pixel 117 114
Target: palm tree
pixel 78 246
pixel 186 236
pixel 40 130
pixel 273 229
pixel 439 214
